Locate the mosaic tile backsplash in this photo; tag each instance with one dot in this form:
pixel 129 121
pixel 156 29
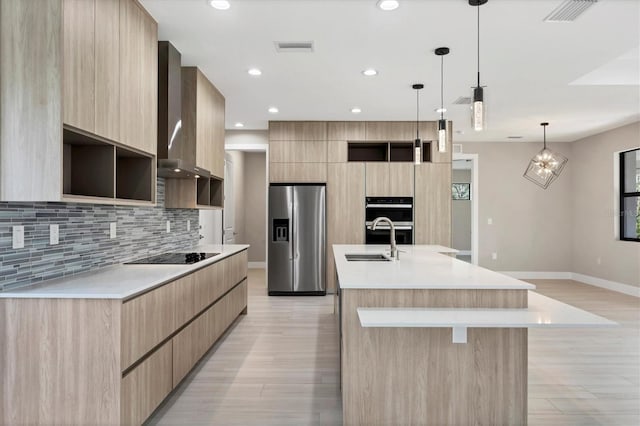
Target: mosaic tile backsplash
pixel 84 237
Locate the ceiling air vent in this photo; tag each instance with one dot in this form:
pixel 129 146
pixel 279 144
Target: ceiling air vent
pixel 462 100
pixel 569 10
pixel 294 46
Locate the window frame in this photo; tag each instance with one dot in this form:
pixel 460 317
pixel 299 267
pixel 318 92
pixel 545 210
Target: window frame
pixel 624 195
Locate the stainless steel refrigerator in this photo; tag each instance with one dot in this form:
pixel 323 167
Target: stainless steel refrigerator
pixel 297 240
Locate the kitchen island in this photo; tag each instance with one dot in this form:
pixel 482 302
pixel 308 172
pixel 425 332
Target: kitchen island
pixel 429 339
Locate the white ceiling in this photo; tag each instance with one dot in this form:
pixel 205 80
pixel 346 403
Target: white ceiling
pixel 582 77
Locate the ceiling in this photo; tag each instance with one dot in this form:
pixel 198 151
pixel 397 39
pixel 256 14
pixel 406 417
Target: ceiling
pixel 583 77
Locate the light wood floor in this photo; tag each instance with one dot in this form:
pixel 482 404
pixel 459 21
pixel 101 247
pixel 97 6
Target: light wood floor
pixel 279 366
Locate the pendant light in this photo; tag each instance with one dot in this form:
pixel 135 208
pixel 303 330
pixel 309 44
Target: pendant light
pixel 478 110
pixel 418 143
pixel 545 166
pixel 442 123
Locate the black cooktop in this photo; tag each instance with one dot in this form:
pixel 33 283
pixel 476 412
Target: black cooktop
pixel 173 259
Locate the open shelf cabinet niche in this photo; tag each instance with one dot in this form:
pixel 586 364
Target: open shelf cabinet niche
pixel 402 151
pixel 192 193
pixel 98 170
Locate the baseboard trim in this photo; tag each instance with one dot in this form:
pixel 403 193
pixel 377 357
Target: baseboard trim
pixel 585 279
pixel 538 275
pixel 609 285
pixel 464 253
pixel 257 265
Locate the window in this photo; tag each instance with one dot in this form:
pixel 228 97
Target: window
pixel 630 195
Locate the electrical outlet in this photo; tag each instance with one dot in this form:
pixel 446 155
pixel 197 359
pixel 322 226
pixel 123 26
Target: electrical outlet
pixel 112 230
pixel 18 236
pixel 494 256
pixel 490 221
pixel 54 234
pixel 188 225
pixel 168 226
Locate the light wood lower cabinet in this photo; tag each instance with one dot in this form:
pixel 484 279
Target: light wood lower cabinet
pixel 144 388
pixel 104 361
pixel 146 321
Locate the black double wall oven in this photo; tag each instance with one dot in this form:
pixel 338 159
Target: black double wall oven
pixel 399 210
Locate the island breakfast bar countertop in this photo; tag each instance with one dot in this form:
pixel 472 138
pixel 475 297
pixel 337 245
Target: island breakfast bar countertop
pixel 418 267
pixel 120 281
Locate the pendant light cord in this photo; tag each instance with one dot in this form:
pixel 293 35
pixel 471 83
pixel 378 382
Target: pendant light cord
pixel 442 87
pixel 544 140
pixel 478 7
pixel 417 113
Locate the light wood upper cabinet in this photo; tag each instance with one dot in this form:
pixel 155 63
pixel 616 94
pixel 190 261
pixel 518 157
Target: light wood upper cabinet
pixel 389 179
pixel 390 131
pixel 298 152
pixel 346 131
pixel 297 130
pixel 79 64
pixel 107 68
pixel 298 172
pixel 432 204
pixel 345 210
pixel 138 77
pixel 203 115
pixel 377 179
pixel 219 108
pixel 401 179
pixel 30 100
pixel 110 71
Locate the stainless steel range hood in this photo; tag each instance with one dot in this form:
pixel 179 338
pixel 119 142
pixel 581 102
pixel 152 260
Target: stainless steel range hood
pixel 176 158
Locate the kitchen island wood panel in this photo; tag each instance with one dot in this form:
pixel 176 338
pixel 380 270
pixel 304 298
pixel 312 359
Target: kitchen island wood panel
pixel 418 375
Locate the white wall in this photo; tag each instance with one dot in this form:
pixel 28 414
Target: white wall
pixel 594 207
pixel 565 228
pixel 531 228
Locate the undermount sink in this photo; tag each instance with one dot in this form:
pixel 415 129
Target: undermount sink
pixel 367 257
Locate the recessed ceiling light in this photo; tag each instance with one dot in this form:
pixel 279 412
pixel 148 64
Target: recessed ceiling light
pixel 273 110
pixel 356 110
pixel 239 124
pixel 255 72
pixel 220 4
pixel 388 5
pixel 441 110
pixel 370 72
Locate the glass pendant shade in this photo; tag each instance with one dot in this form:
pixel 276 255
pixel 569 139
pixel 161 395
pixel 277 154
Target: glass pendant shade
pixel 478 109
pixel 417 154
pixel 442 135
pixel 545 166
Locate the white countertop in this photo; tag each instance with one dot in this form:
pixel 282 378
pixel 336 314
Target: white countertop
pixel 120 281
pixel 542 312
pixel 419 267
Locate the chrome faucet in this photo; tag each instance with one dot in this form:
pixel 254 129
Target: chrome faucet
pixel 394 249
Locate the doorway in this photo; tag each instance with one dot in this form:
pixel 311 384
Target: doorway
pixel 464 206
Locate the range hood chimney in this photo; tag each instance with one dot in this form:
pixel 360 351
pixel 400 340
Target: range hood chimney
pixel 176 159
